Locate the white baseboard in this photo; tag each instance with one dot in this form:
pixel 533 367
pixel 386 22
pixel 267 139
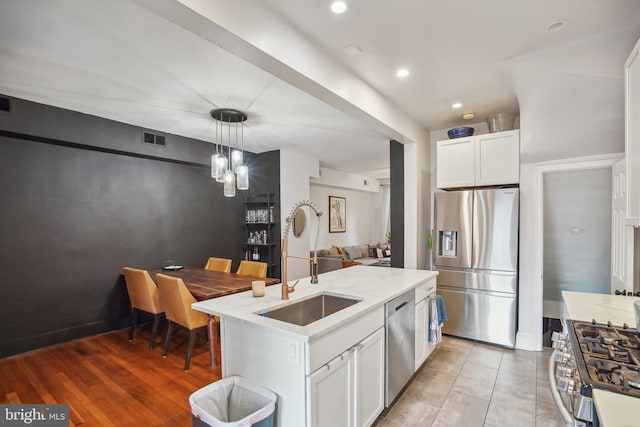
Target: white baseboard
pixel 527 342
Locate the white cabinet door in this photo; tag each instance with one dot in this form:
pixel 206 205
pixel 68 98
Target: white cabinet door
pixel 369 381
pixel 498 158
pixel 456 163
pixel 632 135
pixel 421 333
pixel 330 392
pixel 621 234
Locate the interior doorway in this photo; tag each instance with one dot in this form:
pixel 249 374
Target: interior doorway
pixel 577 238
pixel 574 234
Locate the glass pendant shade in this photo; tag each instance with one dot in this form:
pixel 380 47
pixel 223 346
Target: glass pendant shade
pixel 214 165
pixel 229 184
pixel 243 177
pixel 236 160
pixel 221 168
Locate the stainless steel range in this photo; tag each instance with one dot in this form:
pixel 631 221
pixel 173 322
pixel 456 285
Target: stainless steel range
pixel 592 356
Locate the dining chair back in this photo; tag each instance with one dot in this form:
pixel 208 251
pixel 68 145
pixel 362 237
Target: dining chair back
pixel 177 300
pixel 252 268
pixel 143 294
pixel 218 264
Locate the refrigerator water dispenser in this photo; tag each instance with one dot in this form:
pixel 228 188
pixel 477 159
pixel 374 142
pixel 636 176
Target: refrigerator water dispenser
pixel 448 243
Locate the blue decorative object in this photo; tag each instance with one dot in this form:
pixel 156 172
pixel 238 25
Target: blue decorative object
pixel 460 132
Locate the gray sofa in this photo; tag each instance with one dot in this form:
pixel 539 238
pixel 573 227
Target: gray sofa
pixel 358 254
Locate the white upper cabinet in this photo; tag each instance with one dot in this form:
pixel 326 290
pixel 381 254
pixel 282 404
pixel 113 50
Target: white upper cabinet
pixel 498 158
pixel 490 159
pixel 632 135
pixel 456 163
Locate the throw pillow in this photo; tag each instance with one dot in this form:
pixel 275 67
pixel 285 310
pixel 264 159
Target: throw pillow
pixel 333 250
pixel 371 251
pixel 341 252
pixel 352 253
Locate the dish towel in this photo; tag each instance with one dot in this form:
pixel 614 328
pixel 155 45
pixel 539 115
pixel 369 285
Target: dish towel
pixel 437 316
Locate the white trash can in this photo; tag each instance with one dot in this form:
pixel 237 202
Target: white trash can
pixel 233 402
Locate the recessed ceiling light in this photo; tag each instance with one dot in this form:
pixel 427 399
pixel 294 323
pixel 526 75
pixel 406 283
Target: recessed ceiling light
pixel 338 7
pixel 456 105
pixel 468 116
pixel 402 73
pixel 556 26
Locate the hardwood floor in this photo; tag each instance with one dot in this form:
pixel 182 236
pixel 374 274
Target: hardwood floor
pixel 109 381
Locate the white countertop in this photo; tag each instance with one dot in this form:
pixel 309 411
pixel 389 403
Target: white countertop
pixel 583 306
pixel 614 409
pixel 373 285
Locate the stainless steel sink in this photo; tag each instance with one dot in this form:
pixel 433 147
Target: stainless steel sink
pixel 309 310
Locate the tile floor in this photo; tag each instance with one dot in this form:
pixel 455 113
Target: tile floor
pixel 464 383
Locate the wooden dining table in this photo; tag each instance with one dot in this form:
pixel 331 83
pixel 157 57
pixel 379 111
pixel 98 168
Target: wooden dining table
pixel 206 284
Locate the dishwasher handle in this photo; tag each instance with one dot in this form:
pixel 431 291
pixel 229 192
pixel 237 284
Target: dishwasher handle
pixel 402 305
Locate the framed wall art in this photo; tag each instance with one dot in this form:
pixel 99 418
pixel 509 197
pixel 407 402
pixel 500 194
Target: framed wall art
pixel 337 214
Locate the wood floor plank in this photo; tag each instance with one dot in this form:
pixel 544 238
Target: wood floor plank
pixel 12 398
pixel 108 380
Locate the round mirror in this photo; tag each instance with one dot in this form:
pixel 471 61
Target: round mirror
pixel 299 221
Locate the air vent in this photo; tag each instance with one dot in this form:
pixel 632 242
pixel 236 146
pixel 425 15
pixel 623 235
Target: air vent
pixel 152 138
pixel 5 104
pixel 148 138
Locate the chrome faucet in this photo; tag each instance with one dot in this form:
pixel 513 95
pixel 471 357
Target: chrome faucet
pixel 286 289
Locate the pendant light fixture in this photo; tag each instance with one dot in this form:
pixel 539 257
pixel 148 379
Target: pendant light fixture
pixel 218 163
pixel 231 171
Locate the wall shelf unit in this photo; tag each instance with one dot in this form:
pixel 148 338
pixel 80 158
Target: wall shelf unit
pixel 260 231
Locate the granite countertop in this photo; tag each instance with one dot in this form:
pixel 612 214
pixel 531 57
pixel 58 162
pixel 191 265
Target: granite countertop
pixel 374 286
pixel 612 408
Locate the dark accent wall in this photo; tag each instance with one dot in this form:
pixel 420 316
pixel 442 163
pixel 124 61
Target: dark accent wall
pixel 397 203
pixel 82 197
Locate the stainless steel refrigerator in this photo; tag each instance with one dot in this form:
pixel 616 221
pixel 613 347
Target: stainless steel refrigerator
pixel 476 253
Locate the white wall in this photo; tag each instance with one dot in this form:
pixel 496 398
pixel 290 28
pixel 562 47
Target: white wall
pixel 363 217
pixel 295 170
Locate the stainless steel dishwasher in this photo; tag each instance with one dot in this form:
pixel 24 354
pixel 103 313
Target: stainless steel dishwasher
pixel 400 344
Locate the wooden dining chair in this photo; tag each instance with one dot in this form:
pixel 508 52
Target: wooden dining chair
pixel 218 264
pixel 143 294
pixel 177 300
pixel 252 268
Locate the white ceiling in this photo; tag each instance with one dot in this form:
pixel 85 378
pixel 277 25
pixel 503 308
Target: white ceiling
pixel 119 60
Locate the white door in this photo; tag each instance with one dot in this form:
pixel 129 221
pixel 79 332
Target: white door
pixel 330 392
pixel 621 234
pixel 369 373
pixel 421 332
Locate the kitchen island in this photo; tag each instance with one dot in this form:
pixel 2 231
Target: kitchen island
pixel 330 371
pixel 614 409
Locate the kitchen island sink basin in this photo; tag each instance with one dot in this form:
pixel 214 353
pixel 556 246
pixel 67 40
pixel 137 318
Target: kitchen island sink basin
pixel 304 312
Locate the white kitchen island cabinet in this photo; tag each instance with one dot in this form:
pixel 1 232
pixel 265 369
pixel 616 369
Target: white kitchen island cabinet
pixel 349 390
pixel 632 134
pixel 329 372
pixel 489 159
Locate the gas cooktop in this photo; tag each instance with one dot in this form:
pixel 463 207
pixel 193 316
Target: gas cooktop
pixel 607 356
